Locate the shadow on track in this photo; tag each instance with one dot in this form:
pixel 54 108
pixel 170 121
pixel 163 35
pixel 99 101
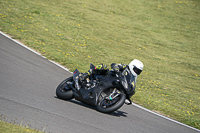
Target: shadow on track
pixel 115 113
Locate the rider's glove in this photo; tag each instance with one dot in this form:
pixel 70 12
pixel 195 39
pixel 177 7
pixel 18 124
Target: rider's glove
pixel 113 65
pixel 122 66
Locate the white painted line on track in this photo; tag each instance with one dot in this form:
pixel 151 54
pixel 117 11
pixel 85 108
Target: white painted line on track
pixel 136 105
pixel 60 66
pixel 21 44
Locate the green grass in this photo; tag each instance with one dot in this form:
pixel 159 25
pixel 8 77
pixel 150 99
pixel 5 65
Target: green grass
pixel 10 128
pixel 164 35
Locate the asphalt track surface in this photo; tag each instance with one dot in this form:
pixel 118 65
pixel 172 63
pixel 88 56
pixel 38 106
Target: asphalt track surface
pixel 27 96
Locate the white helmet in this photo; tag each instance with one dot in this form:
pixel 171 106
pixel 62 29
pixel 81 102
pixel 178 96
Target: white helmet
pixel 136 67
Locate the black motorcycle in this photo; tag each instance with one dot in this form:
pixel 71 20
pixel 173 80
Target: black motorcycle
pixel 106 92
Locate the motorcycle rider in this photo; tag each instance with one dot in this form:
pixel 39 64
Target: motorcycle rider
pixel 134 69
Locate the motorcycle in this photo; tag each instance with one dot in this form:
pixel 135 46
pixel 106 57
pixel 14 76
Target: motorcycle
pixel 106 92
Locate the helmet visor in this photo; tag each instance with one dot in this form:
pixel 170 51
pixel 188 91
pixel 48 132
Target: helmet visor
pixel 137 70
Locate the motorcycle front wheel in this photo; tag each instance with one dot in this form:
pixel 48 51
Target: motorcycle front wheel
pixel 110 100
pixel 64 91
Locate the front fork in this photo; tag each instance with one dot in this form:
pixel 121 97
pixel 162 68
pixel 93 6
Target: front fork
pixel 113 95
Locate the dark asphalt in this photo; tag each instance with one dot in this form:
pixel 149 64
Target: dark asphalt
pixel 27 95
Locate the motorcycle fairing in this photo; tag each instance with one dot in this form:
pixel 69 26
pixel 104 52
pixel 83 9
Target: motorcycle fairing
pixel 124 82
pixel 91 96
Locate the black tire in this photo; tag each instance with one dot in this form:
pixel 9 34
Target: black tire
pixel 117 103
pixel 62 92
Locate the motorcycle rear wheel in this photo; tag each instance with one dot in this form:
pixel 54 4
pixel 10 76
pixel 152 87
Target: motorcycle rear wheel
pixel 63 90
pixel 107 106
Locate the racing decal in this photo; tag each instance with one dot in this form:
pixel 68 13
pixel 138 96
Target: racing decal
pixel 133 83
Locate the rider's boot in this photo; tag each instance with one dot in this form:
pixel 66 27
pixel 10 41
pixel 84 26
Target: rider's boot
pixel 79 79
pixel 84 76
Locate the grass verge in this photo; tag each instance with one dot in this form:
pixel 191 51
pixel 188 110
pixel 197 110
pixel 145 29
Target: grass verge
pixel 10 128
pixel 164 35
